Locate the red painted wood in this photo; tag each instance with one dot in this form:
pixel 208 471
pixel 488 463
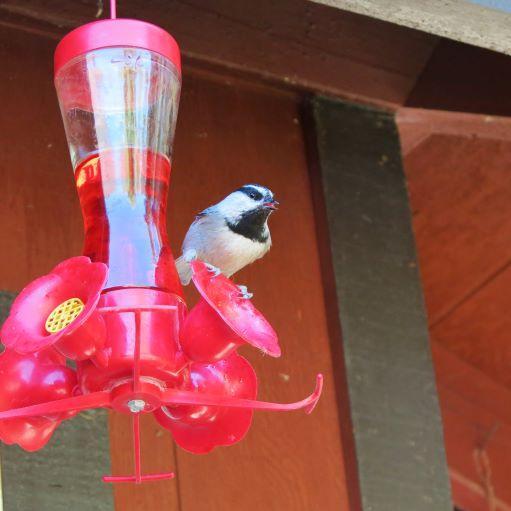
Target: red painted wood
pixel 478 329
pixel 295 42
pixel 230 133
pixel 417 124
pixel 476 412
pixel 458 176
pixel 459 190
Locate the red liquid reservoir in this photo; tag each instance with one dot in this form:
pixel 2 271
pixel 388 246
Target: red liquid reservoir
pixel 119 106
pixel 123 195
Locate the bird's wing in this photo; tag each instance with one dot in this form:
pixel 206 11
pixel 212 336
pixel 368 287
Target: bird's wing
pixel 200 232
pixel 184 270
pixel 203 213
pixel 193 241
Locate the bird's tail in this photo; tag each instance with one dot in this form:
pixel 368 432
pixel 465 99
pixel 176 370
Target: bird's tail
pixel 184 269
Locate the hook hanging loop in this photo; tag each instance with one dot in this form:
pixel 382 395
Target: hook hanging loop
pixel 113 9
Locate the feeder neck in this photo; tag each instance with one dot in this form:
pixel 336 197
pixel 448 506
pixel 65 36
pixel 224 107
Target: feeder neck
pixel 123 196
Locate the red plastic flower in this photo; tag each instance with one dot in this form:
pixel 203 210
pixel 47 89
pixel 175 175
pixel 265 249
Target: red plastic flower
pixel 200 428
pixel 223 320
pixel 31 379
pixel 59 310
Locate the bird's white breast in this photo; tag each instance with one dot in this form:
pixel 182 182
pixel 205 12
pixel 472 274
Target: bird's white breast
pixel 218 245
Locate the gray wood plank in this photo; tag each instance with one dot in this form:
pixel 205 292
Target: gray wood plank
pixel 66 474
pixel 394 407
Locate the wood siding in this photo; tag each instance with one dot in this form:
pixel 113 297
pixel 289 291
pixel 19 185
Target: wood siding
pixel 229 132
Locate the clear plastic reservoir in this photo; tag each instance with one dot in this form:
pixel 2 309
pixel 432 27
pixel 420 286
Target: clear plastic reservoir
pixel 119 107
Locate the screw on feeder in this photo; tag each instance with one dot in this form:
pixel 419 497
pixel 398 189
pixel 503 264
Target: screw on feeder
pixel 136 405
pixel 245 293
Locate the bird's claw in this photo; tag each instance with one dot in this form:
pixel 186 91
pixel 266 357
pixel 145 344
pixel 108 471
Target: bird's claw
pixel 190 255
pixel 244 292
pixel 213 269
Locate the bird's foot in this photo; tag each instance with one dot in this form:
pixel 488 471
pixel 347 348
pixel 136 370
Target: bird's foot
pixel 244 292
pixel 213 269
pixel 190 255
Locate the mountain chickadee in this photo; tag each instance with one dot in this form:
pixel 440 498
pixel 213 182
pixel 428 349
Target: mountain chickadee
pixel 230 234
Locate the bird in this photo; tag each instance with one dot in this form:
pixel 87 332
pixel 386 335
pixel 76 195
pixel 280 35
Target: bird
pixel 230 234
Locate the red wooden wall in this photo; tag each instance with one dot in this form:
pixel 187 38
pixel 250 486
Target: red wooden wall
pixel 229 132
pixel 459 184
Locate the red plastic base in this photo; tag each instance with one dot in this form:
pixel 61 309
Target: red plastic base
pixel 141 396
pixel 143 370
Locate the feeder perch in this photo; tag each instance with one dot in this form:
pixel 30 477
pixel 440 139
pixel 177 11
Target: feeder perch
pixel 118 310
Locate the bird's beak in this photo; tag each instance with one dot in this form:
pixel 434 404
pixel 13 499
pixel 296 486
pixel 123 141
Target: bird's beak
pixel 271 205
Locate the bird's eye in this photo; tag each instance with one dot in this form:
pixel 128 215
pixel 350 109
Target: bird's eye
pixel 255 195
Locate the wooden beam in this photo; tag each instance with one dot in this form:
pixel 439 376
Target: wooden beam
pixel 463 78
pixel 417 124
pixel 292 42
pixel 303 45
pixel 396 419
pixel 460 20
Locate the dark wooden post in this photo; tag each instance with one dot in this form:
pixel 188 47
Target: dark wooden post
pixel 391 384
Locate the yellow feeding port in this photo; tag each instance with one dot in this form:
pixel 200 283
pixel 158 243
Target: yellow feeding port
pixel 63 315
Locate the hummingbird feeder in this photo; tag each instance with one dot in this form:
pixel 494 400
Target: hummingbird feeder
pixel 118 311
